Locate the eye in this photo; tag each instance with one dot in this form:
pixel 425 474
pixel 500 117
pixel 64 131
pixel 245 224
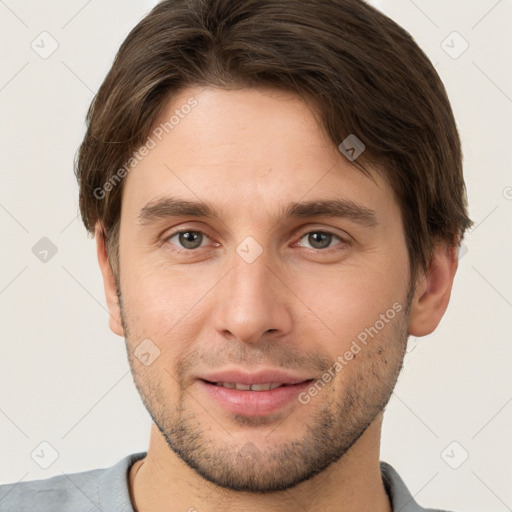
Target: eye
pixel 187 239
pixel 322 239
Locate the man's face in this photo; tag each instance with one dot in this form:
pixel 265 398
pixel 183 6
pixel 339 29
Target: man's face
pixel 254 289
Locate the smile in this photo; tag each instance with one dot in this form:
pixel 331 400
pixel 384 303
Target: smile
pixel 249 387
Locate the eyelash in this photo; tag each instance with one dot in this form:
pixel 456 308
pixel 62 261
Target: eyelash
pixel 343 242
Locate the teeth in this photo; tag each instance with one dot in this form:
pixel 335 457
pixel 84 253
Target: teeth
pixel 252 387
pixel 260 387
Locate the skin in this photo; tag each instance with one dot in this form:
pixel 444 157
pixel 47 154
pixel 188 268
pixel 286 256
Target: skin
pixel 248 153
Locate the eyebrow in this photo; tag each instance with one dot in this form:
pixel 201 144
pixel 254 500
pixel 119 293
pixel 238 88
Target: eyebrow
pixel 169 207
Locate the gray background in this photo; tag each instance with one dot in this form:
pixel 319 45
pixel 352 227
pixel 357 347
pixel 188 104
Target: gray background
pixel 64 377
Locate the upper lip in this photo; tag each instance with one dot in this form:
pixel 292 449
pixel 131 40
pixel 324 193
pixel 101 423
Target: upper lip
pixel 260 377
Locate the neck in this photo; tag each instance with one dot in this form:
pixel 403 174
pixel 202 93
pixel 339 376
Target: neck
pixel 164 482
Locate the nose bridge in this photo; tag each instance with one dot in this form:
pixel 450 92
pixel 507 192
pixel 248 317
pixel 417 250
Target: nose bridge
pixel 251 279
pixel 251 301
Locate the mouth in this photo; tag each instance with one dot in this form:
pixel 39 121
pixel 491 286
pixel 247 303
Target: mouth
pixel 268 386
pixel 253 399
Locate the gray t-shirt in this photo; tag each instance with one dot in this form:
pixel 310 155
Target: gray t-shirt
pixel 106 490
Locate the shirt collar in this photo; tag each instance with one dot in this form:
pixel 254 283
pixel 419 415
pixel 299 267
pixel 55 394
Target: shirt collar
pixel 399 495
pixel 115 494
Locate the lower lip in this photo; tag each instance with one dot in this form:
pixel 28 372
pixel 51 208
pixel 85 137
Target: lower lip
pixel 254 403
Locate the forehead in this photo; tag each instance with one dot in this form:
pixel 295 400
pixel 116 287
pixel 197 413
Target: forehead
pixel 245 147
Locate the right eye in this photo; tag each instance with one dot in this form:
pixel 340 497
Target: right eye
pixel 186 239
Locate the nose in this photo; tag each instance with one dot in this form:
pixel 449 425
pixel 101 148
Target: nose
pixel 251 301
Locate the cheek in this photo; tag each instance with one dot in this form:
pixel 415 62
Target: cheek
pixel 167 306
pixel 342 302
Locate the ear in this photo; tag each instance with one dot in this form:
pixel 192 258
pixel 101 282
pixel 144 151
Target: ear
pixel 433 290
pixel 109 283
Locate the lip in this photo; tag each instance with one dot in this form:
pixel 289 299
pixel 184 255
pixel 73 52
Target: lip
pixel 253 403
pixel 260 377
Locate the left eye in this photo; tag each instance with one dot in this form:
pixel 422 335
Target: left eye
pixel 320 239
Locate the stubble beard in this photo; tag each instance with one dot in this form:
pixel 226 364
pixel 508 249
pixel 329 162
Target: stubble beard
pixel 329 432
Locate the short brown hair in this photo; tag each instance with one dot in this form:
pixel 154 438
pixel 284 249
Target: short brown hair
pixel 362 73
